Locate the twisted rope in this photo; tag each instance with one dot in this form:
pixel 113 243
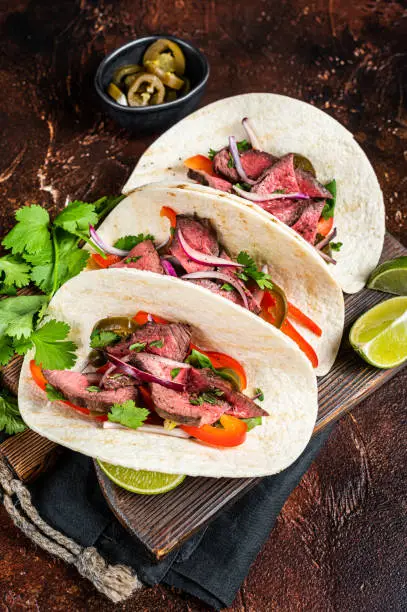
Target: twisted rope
pixel 117 582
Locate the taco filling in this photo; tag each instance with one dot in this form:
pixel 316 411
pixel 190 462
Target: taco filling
pixel 193 253
pixel 286 187
pixel 145 373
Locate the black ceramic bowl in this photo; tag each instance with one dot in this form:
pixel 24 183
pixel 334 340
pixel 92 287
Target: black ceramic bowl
pixel 151 118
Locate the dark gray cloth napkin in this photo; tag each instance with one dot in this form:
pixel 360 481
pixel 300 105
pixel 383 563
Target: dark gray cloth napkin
pixel 211 565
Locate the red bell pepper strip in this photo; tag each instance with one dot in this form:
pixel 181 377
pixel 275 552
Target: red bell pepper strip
pixel 274 303
pixel 220 360
pixel 325 226
pixel 171 215
pixel 296 314
pixel 38 376
pixel 200 162
pixel 233 433
pixel 105 262
pixel 141 317
pixel 288 329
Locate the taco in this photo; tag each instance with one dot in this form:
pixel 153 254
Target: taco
pixel 288 160
pixel 170 377
pixel 232 252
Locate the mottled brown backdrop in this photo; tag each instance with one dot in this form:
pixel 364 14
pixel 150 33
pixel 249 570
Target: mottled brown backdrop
pixel 339 544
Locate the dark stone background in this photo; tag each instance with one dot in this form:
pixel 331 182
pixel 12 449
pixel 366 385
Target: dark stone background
pixel 340 541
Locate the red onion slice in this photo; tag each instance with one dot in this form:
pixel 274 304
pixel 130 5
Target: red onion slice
pixel 325 241
pixel 238 164
pixel 168 268
pixel 265 197
pixel 141 375
pixel 251 134
pixel 202 258
pixel 326 257
pixel 158 429
pixel 109 370
pixel 223 277
pixel 105 247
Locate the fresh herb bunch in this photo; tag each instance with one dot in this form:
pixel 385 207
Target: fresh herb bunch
pixel 43 253
pixel 10 418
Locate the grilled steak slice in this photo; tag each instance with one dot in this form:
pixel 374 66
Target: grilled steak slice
pixel 142 257
pixel 307 224
pixel 232 296
pixel 117 381
pixel 254 306
pixel 216 182
pixel 160 366
pixel 73 385
pixel 200 236
pixel 240 405
pixel 310 186
pixel 287 211
pixel 176 406
pixel 281 175
pixel 175 338
pixel 254 163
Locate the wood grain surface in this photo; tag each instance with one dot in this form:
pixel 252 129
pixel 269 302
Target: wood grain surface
pixel 340 541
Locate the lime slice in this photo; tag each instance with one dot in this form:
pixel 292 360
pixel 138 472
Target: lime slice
pixel 141 481
pixel 390 277
pixel 117 94
pixel 380 335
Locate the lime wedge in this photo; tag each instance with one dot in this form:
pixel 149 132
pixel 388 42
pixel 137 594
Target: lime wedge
pixel 380 335
pixel 141 481
pixel 117 94
pixel 390 277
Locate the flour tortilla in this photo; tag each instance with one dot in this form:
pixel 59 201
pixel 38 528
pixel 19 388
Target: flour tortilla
pixel 270 360
pixel 286 125
pixel 293 264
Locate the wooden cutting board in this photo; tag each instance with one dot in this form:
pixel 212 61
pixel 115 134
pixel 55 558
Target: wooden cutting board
pixel 163 522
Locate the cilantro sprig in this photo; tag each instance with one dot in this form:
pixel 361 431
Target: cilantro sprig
pixel 128 414
pixel 250 270
pixel 329 208
pixel 129 242
pixel 44 253
pixel 10 417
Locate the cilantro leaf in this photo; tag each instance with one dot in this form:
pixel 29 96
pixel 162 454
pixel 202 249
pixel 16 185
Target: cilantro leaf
pixel 15 272
pixel 16 314
pixel 138 346
pixel 22 345
pixel 207 397
pixel 76 217
pixel 53 394
pixel 336 246
pixel 157 343
pixel 259 393
pixel 198 360
pixel 329 208
pixel 53 352
pixel 211 154
pixel 243 145
pixel 105 205
pixel 131 259
pixel 129 242
pixel 31 233
pixel 101 338
pixel 174 372
pixel 227 287
pixel 244 186
pixel 250 271
pixel 252 422
pixel 10 417
pixel 231 162
pixel 128 414
pixel 6 350
pixel 93 389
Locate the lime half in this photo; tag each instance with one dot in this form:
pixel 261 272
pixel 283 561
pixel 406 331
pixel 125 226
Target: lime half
pixel 380 335
pixel 141 481
pixel 390 277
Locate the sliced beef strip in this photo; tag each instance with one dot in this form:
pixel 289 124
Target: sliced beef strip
pixel 287 211
pixel 117 381
pixel 240 405
pixel 176 338
pixel 310 186
pixel 281 175
pixel 176 406
pixel 307 223
pixel 73 386
pixel 148 258
pixel 254 304
pixel 200 236
pixel 254 163
pixel 232 296
pixel 160 366
pixel 216 182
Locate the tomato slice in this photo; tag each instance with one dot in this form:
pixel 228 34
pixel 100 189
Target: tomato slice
pixel 220 360
pixel 302 318
pixel 233 433
pixel 38 376
pixel 200 162
pixel 105 262
pixel 141 317
pixel 324 226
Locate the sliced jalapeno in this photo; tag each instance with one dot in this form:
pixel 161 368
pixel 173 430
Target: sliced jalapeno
pixel 146 90
pixel 159 47
pixel 303 163
pixel 168 78
pixel 124 71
